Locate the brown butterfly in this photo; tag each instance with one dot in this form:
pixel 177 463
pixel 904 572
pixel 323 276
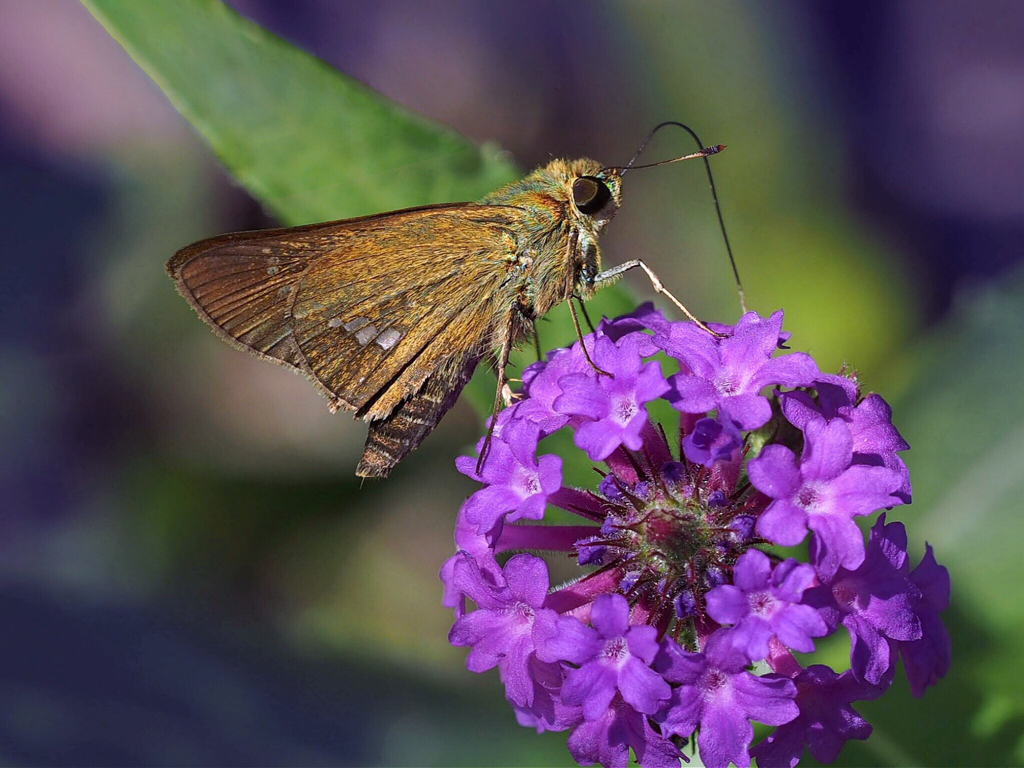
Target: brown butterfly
pixel 388 315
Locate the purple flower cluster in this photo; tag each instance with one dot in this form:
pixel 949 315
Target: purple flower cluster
pixel 679 592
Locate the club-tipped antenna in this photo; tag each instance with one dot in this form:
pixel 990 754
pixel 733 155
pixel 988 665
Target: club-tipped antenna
pixel 704 153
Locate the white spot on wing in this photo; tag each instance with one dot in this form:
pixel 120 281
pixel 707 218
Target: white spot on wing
pixel 334 322
pixel 366 334
pixel 389 338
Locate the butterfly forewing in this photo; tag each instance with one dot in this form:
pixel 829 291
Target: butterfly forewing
pixel 366 311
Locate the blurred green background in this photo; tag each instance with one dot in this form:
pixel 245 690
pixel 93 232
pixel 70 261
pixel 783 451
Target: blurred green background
pixel 192 575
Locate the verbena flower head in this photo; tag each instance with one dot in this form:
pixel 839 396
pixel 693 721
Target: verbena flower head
pixel 679 590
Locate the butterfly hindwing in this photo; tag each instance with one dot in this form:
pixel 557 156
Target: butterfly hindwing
pixel 367 309
pixel 393 437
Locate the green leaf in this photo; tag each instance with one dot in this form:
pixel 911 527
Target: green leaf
pixel 310 143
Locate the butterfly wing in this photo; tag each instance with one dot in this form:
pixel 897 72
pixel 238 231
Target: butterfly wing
pixel 368 308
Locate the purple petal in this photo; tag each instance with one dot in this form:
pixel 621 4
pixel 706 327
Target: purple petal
pixel 752 571
pixel 593 686
pixel 532 508
pixel 642 687
pixel 683 712
pixel 749 410
pixel 573 641
pixel 767 699
pixel 484 588
pixel 549 472
pixel 486 507
pixel 871 425
pixel 721 653
pixel 825 723
pixel 781 749
pixel 871 653
pixel 933 581
pixel 725 735
pixel 783 523
pixel 753 635
pixel 527 578
pixel 796 625
pixel 888 546
pixel 521 437
pixel 793 370
pixel 694 348
pixel 727 604
pixel 774 472
pixel 753 341
pixel 861 490
pixel 690 394
pixel 598 439
pixel 840 543
pixel 592 743
pixel 790 579
pixel 828 449
pixel 547 712
pixel 516 672
pixel 927 660
pixel 581 396
pixel 610 615
pixel 607 740
pixel 642 641
pixel 677 665
pixel 711 440
pixel 632 433
pixel 835 393
pixel 650 384
pixel 485 632
pixel 894 615
pixel 623 357
pixel 798 408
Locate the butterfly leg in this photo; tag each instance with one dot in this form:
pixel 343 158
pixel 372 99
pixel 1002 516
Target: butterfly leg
pixel 613 274
pixel 500 391
pixel 579 335
pixel 586 315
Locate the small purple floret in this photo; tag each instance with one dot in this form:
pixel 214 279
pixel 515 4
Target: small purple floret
pixel 518 483
pixel 826 721
pixel 607 740
pixel 712 440
pixel 927 660
pixel 878 603
pixel 716 693
pixel 729 373
pixel 509 623
pixel 612 657
pixel 612 407
pixel 821 492
pixel 762 603
pixel 876 442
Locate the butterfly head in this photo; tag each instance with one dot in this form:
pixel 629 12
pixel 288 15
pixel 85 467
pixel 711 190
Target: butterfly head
pixel 593 192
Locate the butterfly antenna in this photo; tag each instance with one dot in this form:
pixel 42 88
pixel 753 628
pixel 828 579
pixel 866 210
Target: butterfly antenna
pixel 704 153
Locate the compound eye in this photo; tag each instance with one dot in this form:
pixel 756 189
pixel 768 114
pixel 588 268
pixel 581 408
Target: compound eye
pixel 589 194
